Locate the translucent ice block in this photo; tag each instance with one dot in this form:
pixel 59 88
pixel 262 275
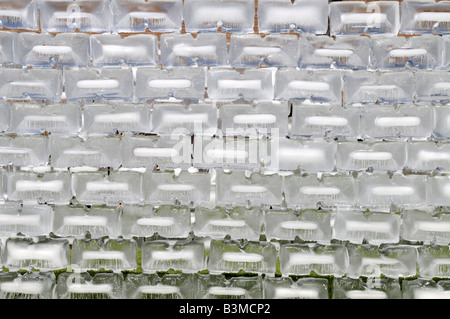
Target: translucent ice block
pixel 145 221
pixel 24 151
pixel 438 190
pixel 34 84
pixel 29 220
pixel 358 17
pixel 303 288
pixel 428 156
pixel 7 40
pixel 342 52
pixel 45 50
pixel 324 120
pixel 112 118
pixel 84 286
pixel 51 187
pixel 139 15
pixel 433 261
pixel 442 122
pixel 4 116
pixel 238 189
pixel 112 49
pixel 30 285
pixel 209 15
pixel 433 86
pixel 381 190
pixel 363 87
pixel 426 289
pixel 324 260
pixel 425 226
pixel 404 121
pixel 178 119
pixel 30 118
pixel 315 155
pixel 168 188
pixel 151 286
pixel 237 222
pixel 180 83
pixel 275 16
pixel 45 254
pixel 309 86
pixel 71 15
pixel 251 50
pixel 206 49
pixel 76 221
pixel 95 151
pixel 391 261
pixel 100 188
pixel 308 225
pixel 329 190
pixel 375 228
pixel 151 151
pixel 256 119
pixel 423 52
pixel 188 257
pixel 384 156
pixel 226 152
pixel 374 288
pixel 218 287
pixel 107 83
pixel 429 16
pixel 109 254
pixel 252 84
pixel 231 256
pixel 22 14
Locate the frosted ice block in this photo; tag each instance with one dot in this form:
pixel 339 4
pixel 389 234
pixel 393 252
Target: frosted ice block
pixel 359 17
pixel 425 226
pixel 180 82
pixel 428 156
pixel 218 287
pixel 438 190
pixel 209 15
pixel 7 41
pixel 45 50
pixel 433 86
pixel 100 188
pixel 45 254
pixel 340 52
pixel 30 285
pixel 84 286
pixel 237 222
pixel 5 110
pixel 275 16
pixel 433 261
pixel 303 288
pixel 252 84
pixel 374 288
pixel 206 49
pixel 238 189
pixel 77 221
pixel 30 220
pixel 442 121
pixel 309 86
pixel 328 190
pixel 187 256
pixel 429 16
pixel 426 289
pixel 230 256
pixel 140 15
pixel 111 49
pixel 308 224
pixel 72 15
pixel 145 221
pixel 94 84
pixel 24 151
pixel 22 14
pixel 30 118
pixel 151 286
pixel 251 50
pixel 94 151
pixel 166 187
pixel 324 260
pixel 36 84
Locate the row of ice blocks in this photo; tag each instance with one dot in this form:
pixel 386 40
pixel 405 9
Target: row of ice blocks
pixel 235 188
pixel 228 256
pixel 44 285
pixel 427 225
pixel 330 87
pixel 310 16
pixel 207 152
pixel 273 119
pixel 211 49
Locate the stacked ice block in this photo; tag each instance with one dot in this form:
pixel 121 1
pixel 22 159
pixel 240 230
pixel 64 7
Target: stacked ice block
pixel 196 153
